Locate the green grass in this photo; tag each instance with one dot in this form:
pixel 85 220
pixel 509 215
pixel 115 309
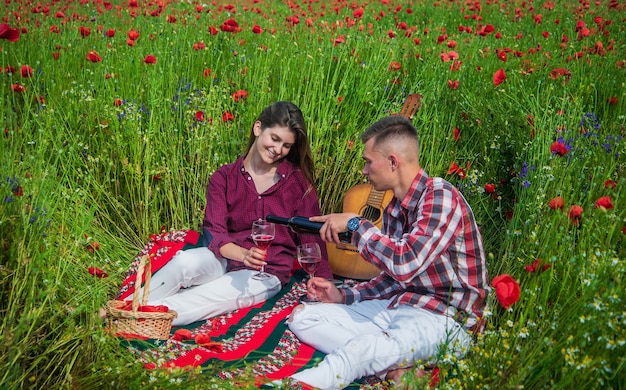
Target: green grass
pixel 79 170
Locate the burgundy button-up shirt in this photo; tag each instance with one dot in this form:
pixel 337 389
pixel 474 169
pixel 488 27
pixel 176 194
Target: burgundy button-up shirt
pixel 233 203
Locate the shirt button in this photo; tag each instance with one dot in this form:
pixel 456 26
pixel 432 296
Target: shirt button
pixel 249 178
pixel 259 196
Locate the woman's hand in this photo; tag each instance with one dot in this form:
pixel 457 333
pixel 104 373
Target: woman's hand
pixel 254 258
pixel 325 290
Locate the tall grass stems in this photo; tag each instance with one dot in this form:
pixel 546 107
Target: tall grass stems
pixel 97 156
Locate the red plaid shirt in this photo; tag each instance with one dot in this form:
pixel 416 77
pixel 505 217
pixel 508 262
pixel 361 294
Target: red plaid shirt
pixel 430 252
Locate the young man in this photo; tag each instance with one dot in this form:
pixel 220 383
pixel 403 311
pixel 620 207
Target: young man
pixel 431 291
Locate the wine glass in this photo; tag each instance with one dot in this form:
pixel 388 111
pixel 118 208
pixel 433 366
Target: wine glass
pixel 309 257
pixel 262 235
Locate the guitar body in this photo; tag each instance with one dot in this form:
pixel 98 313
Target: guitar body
pixel 363 199
pixel 344 259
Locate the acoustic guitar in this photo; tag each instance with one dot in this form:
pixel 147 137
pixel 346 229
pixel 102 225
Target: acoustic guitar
pixel 363 199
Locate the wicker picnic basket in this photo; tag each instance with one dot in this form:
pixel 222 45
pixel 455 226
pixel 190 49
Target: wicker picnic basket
pixel 151 324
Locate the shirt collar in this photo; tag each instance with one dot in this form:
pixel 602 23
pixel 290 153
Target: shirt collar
pixel 284 169
pixel 418 186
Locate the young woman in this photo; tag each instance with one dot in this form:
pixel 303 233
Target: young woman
pixel 274 177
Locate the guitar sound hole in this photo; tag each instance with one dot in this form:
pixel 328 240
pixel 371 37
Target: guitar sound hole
pixel 371 213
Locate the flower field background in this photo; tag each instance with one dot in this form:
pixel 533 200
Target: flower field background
pixel 116 113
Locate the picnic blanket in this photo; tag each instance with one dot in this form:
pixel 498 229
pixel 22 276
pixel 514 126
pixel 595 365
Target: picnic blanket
pixel 254 340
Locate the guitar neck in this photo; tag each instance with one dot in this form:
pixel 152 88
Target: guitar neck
pixel 375 198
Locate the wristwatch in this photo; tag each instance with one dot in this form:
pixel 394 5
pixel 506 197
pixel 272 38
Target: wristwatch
pixel 353 223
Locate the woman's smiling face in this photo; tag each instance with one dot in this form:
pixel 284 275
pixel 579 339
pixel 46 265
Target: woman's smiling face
pixel 273 143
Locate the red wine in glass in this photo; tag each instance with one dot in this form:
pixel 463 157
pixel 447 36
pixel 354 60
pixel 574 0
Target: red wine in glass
pixel 310 264
pixel 262 235
pixel 263 241
pixel 309 257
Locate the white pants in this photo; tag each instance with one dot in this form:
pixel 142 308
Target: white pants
pixel 196 285
pixel 367 338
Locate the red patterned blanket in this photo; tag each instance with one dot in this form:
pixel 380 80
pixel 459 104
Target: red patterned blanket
pixel 248 343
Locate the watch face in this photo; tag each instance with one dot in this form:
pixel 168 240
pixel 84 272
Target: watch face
pixel 353 224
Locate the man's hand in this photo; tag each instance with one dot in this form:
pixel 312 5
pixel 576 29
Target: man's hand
pixel 333 225
pixel 325 290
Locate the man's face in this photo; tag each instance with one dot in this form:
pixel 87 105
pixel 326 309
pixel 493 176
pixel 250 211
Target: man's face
pixel 377 167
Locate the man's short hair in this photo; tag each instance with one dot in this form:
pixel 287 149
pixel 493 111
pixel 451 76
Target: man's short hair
pixel 390 127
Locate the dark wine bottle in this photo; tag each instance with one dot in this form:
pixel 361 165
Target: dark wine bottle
pixel 302 225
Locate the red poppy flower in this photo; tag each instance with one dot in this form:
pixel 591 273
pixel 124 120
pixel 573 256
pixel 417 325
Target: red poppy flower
pixel 206 72
pixel 559 148
pixel 213 30
pixel 230 25
pixel 97 272
pixel 537 266
pixel 199 116
pixel 357 13
pixel 8 33
pixel 456 65
pixel 454 168
pixel 560 72
pixel 575 212
pixel 199 46
pixel 240 95
pixel 456 134
pixel 182 334
pixel 150 59
pixel 394 65
pixel 499 77
pixel 257 29
pixel 487 29
pixel 604 203
pixel 610 184
pixel 110 33
pixel 204 340
pixel 227 116
pixel 453 84
pixel 84 31
pixel 449 56
pixel 18 191
pixel 18 88
pixel 507 290
pixel 490 188
pixel 93 56
pixel 133 35
pixel 612 100
pixel 556 203
pixel 93 246
pixel 26 71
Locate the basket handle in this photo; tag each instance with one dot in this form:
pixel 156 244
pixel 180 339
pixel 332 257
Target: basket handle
pixel 145 266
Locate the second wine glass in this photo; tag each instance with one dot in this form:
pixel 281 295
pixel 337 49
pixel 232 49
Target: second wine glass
pixel 262 235
pixel 309 257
